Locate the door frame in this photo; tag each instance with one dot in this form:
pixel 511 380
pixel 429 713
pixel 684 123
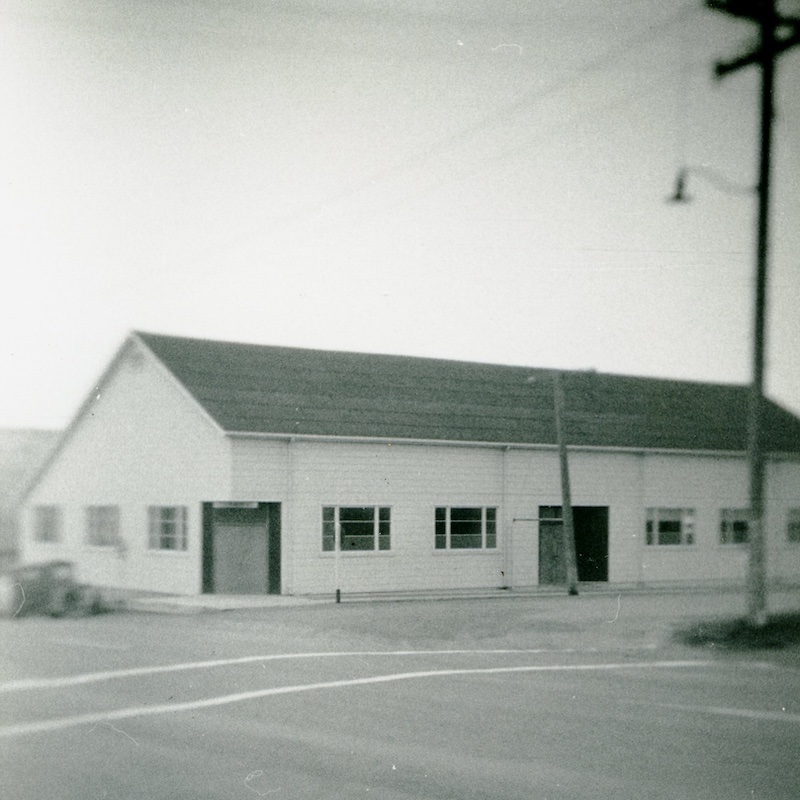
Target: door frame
pixel 584 518
pixel 256 511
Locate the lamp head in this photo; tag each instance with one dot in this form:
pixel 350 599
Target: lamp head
pixel 680 195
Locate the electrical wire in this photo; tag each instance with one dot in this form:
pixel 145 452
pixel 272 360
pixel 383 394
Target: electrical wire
pixel 524 103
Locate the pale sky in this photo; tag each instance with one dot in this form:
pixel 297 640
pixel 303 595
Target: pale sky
pixel 481 180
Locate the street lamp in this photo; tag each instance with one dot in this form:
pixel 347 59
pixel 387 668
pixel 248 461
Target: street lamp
pixel 716 179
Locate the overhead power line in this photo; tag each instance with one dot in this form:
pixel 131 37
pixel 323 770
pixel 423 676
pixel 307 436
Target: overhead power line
pixel 501 115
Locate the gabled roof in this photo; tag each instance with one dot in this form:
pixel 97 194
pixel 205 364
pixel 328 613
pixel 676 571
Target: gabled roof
pixel 258 389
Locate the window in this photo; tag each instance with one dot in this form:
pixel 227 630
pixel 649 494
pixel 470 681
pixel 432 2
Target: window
pixel 360 527
pixel 466 528
pixel 167 527
pixel 670 526
pixel 733 526
pixel 793 527
pixel 47 523
pixel 102 526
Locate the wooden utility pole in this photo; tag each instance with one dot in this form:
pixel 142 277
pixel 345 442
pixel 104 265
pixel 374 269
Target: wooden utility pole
pixel 567 523
pixel 776 35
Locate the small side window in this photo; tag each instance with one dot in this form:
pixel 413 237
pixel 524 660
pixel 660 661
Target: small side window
pixel 47 523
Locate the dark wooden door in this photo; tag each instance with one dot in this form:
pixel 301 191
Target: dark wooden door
pixel 591 544
pixel 552 561
pixel 240 558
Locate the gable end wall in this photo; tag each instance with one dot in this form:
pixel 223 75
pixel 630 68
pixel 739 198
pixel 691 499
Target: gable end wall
pixel 140 441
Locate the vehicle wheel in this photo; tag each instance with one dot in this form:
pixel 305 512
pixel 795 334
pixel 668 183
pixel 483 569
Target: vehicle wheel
pixel 11 600
pixel 61 604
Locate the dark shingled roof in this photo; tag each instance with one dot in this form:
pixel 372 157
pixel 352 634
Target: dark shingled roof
pixel 249 388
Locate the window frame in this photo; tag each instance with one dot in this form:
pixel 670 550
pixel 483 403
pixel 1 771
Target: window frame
pixel 729 519
pixel 657 516
pixel 48 523
pixel 157 521
pixel 334 537
pixel 443 529
pixel 96 519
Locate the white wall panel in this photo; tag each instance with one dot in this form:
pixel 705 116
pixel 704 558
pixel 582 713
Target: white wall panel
pixel 260 469
pixel 412 480
pixel 141 442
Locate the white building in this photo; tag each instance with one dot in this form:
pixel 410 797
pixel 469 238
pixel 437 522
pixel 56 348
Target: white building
pixel 200 466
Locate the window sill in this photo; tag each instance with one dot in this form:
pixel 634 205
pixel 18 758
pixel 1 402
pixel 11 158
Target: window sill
pixel 467 551
pixel 669 548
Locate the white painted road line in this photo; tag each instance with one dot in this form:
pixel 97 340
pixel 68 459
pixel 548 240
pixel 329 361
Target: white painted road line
pixel 48 726
pixel 28 684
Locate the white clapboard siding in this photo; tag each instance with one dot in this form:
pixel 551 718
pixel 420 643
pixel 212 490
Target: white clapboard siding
pixel 260 469
pixel 305 475
pixel 412 480
pixel 783 496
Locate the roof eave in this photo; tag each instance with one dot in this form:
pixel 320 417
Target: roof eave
pixel 394 440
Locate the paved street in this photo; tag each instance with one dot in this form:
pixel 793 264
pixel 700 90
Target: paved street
pixel 539 697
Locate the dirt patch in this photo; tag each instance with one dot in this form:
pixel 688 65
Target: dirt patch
pixel 781 631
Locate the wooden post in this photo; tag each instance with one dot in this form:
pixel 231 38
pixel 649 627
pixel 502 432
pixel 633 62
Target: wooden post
pixel 778 33
pixel 567 525
pixel 337 549
pixel 757 572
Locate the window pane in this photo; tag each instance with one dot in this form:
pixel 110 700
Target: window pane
pixel 669 526
pixel 384 540
pixel 153 531
pixel 491 527
pixel 328 529
pixel 102 525
pixel 168 530
pixel 441 529
pixel 465 528
pixel 734 526
pixel 669 531
pixel 47 524
pixel 328 536
pixel 793 530
pixel 357 526
pixel 356 514
pixel 740 530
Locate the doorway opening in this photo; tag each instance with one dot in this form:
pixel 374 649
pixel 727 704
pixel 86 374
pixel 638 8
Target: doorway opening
pixel 591 544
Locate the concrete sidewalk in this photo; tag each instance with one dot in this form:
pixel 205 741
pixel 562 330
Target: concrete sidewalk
pixel 780 597
pixel 203 603
pixel 193 604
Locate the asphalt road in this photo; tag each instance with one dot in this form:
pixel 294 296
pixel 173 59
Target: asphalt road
pixel 536 698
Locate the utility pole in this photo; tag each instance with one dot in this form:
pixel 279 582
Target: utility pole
pixel 777 34
pixel 567 523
